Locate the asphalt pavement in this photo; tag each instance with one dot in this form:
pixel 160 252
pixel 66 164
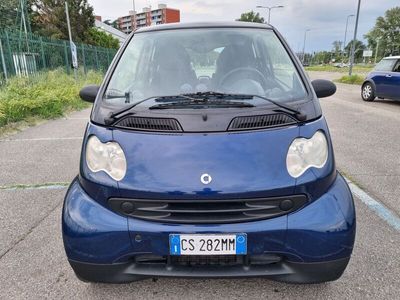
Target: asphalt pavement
pixel 37 163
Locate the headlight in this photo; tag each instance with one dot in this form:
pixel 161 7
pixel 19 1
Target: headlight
pixel 107 157
pixel 306 153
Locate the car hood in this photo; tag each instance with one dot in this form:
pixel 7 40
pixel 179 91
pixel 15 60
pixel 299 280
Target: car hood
pixel 243 164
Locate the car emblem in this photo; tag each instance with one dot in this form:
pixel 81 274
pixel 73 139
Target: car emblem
pixel 205 179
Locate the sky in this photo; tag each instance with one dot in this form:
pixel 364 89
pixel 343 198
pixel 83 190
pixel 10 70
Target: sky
pixel 326 19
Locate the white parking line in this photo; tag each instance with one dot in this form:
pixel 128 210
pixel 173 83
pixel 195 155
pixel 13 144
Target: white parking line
pixel 381 210
pixel 45 186
pixel 41 139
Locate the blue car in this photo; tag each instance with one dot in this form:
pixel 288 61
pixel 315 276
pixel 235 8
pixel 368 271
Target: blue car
pixel 383 81
pixel 207 155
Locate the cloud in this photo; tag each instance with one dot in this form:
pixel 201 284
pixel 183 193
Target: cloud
pixel 326 18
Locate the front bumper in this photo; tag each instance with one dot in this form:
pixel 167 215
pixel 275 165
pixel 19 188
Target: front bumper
pixel 314 244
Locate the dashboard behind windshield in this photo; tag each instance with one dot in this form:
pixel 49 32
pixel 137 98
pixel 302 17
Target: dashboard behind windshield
pixel 235 61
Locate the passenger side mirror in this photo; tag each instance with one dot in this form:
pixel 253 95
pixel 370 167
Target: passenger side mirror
pixel 323 88
pixel 89 93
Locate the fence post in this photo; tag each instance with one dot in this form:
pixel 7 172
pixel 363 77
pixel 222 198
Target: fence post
pixel 11 61
pixel 43 56
pixel 3 61
pixel 66 57
pixel 84 59
pixel 97 59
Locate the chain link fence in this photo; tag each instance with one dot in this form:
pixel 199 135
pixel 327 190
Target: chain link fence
pixel 28 54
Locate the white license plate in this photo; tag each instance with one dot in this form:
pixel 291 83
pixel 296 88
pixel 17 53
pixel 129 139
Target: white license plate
pixel 208 244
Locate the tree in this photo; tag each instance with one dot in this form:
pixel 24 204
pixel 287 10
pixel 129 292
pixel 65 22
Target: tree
pixel 337 48
pixel 251 17
pixel 48 18
pixel 387 31
pixel 8 13
pixel 102 39
pixel 358 50
pixel 322 57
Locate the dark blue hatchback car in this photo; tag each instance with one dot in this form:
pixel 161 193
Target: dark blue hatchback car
pixel 207 155
pixel 383 81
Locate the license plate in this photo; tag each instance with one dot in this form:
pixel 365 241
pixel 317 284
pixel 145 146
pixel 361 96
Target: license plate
pixel 208 244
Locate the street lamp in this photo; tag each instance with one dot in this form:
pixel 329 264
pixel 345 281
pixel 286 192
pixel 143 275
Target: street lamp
pixel 353 45
pixel 269 10
pixel 345 32
pixel 304 45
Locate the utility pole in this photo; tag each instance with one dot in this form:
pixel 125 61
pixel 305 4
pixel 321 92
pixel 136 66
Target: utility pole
pixel 134 16
pixel 345 32
pixel 304 46
pixel 353 44
pixel 71 43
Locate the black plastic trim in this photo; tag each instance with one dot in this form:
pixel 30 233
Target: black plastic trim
pixel 207 211
pixel 152 124
pixel 291 272
pixel 242 123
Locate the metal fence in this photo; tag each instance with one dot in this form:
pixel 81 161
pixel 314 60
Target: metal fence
pixel 27 55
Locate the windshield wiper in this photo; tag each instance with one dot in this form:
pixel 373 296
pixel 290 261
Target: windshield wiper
pixel 202 103
pixel 293 111
pixel 207 95
pixel 198 100
pixel 114 116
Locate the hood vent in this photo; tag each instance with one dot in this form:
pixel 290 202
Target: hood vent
pixel 261 121
pixel 150 124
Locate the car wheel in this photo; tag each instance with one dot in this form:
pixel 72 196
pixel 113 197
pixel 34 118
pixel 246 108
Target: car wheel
pixel 367 92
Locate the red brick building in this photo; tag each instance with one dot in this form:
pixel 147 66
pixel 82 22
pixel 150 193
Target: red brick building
pixel 148 17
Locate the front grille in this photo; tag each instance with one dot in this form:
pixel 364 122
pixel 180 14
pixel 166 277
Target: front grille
pixel 261 121
pixel 208 260
pixel 207 211
pixel 150 124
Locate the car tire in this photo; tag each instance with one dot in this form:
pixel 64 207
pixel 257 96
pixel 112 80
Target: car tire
pixel 368 92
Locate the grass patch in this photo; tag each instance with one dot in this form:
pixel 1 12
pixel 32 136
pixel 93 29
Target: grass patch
pixel 46 96
pixel 329 68
pixel 353 79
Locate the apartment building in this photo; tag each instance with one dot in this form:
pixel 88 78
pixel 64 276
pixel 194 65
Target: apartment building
pixel 148 17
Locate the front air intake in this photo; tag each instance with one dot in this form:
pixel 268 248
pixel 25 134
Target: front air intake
pixel 261 121
pixel 207 211
pixel 150 124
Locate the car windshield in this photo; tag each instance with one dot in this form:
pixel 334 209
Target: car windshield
pixel 385 65
pixel 185 61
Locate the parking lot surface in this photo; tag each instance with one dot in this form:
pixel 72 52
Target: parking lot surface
pixel 37 164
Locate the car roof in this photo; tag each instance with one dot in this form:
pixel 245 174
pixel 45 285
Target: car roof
pixel 392 57
pixel 235 24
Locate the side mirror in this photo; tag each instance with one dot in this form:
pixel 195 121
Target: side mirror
pixel 89 93
pixel 323 88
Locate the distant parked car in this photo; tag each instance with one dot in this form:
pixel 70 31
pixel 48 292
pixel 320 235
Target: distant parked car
pixel 383 81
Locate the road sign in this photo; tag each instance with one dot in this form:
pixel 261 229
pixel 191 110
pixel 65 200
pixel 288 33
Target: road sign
pixel 367 53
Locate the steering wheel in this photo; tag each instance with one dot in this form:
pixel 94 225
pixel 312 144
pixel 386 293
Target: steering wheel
pixel 254 71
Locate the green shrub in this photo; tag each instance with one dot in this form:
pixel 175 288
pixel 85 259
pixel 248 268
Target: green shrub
pixel 47 95
pixel 353 79
pixel 364 69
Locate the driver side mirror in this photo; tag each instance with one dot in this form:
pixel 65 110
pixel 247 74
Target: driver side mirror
pixel 89 93
pixel 323 88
